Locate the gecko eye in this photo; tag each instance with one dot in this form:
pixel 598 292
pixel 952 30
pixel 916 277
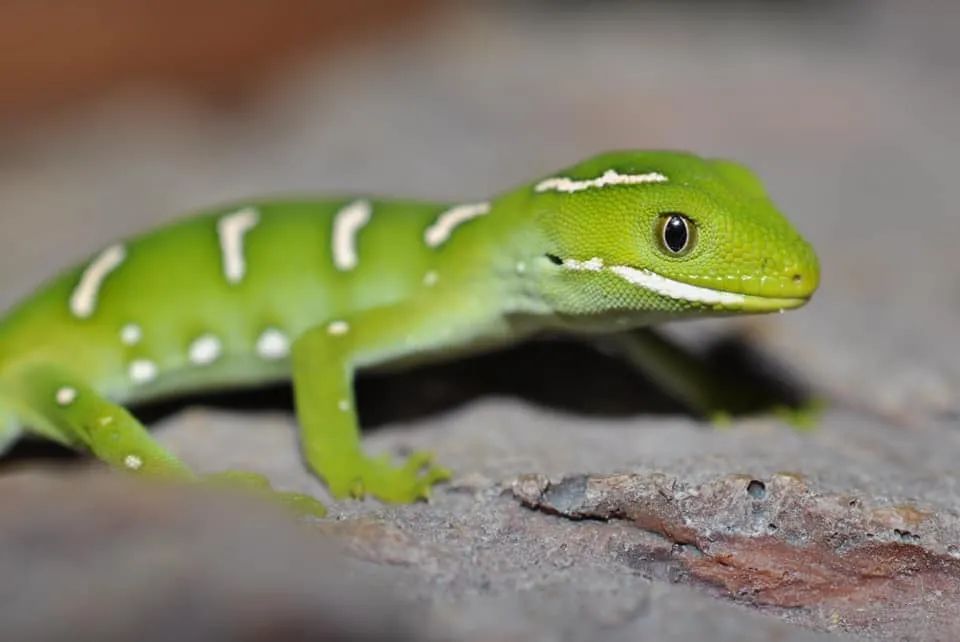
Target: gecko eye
pixel 677 233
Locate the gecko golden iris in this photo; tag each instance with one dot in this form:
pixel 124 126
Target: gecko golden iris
pixel 319 289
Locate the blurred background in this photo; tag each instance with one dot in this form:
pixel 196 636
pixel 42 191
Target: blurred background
pixel 118 115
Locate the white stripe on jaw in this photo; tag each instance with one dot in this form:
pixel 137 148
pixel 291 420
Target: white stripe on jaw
pixel 231 229
pixel 346 225
pixel 609 177
pixel 441 229
pixel 658 284
pixel 83 301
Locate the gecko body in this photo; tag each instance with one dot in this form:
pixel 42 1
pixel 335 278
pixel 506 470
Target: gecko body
pixel 317 289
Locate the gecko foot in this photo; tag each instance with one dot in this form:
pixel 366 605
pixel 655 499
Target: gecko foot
pixel 380 478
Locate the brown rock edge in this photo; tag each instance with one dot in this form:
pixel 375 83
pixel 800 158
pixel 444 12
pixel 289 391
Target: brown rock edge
pixel 780 543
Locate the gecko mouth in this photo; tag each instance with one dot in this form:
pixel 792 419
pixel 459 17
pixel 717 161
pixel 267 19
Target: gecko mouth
pixel 671 288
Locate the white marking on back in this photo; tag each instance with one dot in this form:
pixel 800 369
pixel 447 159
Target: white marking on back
pixel 142 371
pixel 205 350
pixel 443 227
pixel 346 225
pixel 343 405
pixel 83 301
pixel 132 462
pixel 430 278
pixel 131 334
pixel 273 344
pixel 609 177
pixel 231 229
pixel 337 328
pixel 66 396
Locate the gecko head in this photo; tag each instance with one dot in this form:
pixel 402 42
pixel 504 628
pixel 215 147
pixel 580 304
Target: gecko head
pixel 666 234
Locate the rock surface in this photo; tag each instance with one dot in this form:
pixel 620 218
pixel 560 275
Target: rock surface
pixel 99 557
pixel 586 505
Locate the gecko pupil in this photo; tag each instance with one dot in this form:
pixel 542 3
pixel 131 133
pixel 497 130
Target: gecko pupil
pixel 676 233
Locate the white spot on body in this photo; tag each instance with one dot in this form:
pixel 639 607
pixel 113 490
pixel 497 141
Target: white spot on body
pixel 132 462
pixel 142 371
pixel 343 405
pixel 231 229
pixel 66 396
pixel 105 420
pixel 338 328
pixel 205 350
pixel 430 279
pixel 273 344
pixel 131 334
pixel 609 177
pixel 521 267
pixel 83 301
pixel 441 229
pixel 346 225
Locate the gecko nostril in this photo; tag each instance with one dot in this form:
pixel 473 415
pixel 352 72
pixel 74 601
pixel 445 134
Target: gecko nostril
pixel 797 278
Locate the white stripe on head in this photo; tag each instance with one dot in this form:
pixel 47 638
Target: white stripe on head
pixel 83 301
pixel 231 229
pixel 441 229
pixel 609 177
pixel 346 224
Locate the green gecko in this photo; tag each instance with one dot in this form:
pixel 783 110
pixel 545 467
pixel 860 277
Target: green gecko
pixel 319 289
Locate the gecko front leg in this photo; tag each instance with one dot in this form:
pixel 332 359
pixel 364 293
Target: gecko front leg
pixel 325 360
pixel 702 388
